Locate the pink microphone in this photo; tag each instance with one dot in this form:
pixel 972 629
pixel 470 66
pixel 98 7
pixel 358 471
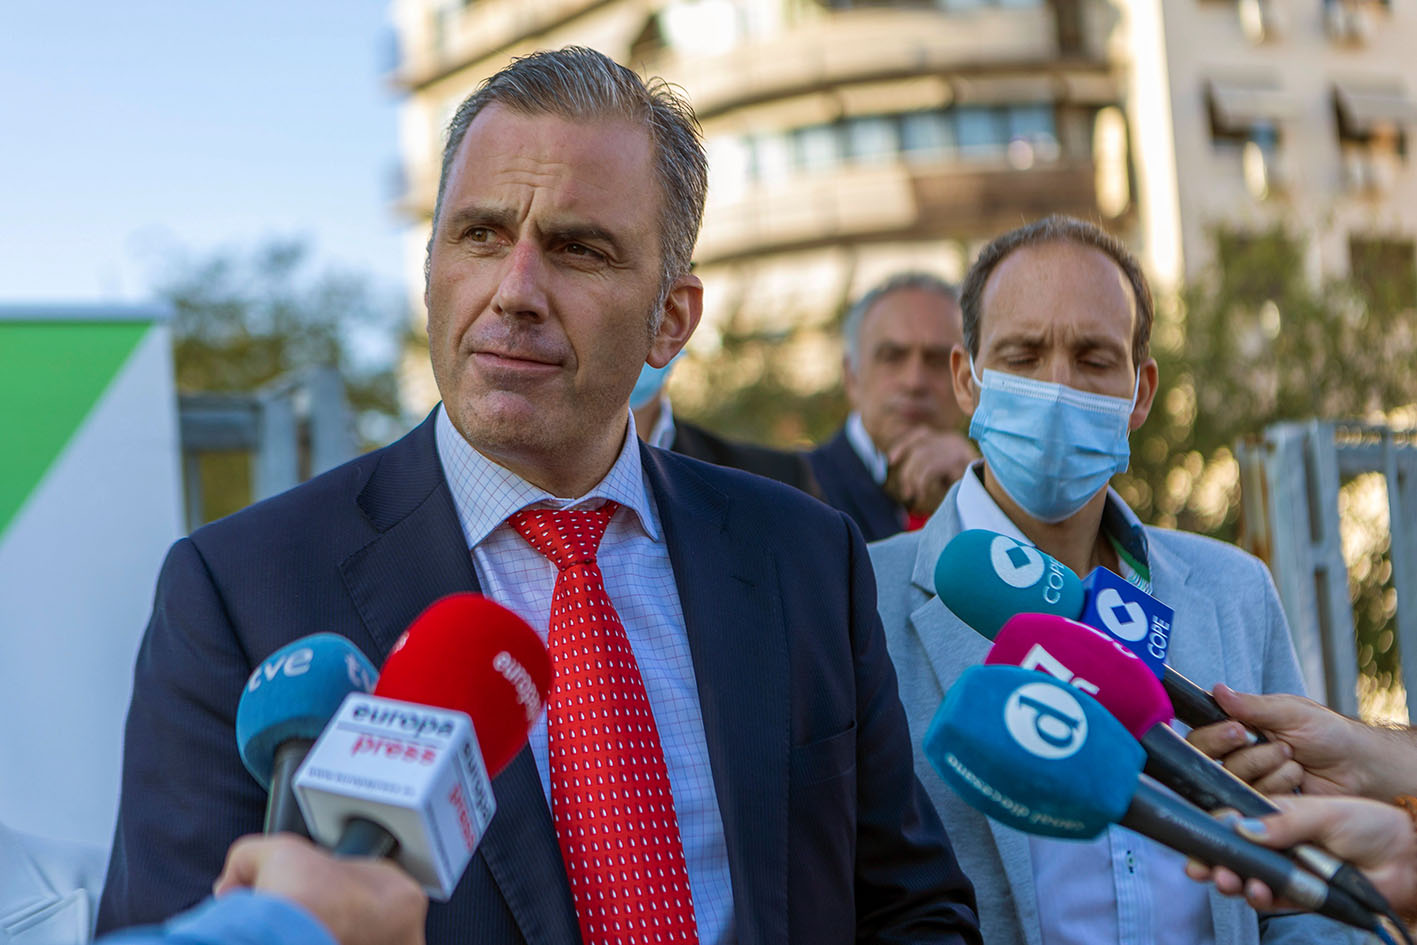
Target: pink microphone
pixel 1088 659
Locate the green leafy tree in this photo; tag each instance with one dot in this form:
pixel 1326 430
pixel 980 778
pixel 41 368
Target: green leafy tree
pixel 1255 341
pixel 243 319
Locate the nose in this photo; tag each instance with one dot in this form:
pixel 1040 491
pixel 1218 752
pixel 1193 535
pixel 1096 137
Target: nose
pixel 521 291
pixel 914 375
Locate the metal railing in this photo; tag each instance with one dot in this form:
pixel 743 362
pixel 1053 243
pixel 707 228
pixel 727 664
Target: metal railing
pixel 1290 477
pixel 294 428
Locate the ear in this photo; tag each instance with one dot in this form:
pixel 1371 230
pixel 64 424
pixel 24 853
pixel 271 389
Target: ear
pixel 683 307
pixel 1146 393
pixel 965 394
pixel 848 381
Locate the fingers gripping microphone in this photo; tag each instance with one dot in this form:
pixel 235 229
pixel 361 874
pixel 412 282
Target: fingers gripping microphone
pixel 1076 653
pixel 1046 758
pixel 985 578
pixel 283 709
pixel 406 772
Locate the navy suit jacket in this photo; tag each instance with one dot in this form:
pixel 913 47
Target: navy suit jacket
pixel 690 439
pixel 829 833
pixel 846 484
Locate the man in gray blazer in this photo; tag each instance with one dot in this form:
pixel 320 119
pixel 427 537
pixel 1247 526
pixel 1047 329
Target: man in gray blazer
pixel 1055 375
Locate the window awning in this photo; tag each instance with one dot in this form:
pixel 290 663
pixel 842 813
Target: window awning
pixel 1241 106
pixel 1364 108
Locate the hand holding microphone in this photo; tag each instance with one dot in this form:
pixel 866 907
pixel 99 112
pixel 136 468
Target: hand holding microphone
pixel 1079 654
pixel 359 901
pixel 1046 758
pixel 1377 838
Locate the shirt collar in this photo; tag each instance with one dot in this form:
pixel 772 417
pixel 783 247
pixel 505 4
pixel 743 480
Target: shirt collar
pixel 873 459
pixel 977 509
pixel 486 494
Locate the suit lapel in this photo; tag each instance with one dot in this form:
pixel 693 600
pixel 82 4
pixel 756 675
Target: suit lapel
pixel 419 556
pixel 951 647
pixel 737 637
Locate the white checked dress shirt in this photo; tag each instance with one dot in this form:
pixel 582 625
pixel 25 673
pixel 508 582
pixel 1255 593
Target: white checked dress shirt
pixel 1118 888
pixel 640 581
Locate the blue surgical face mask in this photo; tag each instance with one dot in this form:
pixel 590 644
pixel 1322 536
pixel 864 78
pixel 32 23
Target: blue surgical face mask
pixel 1050 447
pixel 649 383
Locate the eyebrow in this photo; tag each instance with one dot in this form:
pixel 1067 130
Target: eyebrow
pixel 505 218
pixel 480 216
pixel 1083 343
pixel 584 233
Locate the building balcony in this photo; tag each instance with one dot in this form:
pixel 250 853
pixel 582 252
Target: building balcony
pixel 867 45
pixel 959 199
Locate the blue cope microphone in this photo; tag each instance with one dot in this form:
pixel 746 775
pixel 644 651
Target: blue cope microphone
pixel 985 578
pixel 287 701
pixel 1045 758
pixel 1129 615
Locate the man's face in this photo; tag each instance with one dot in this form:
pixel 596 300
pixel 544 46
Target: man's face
pixel 902 378
pixel 544 273
pixel 1059 312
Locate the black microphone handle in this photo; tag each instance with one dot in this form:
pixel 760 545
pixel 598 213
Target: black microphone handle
pixel 1193 705
pixel 363 837
pixel 1197 777
pixel 282 810
pixel 1176 824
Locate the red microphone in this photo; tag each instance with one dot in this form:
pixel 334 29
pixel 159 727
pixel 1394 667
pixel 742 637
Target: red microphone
pixel 406 772
pixel 472 655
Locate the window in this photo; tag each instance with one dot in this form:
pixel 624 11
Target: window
pixel 926 135
pixel 1243 112
pixel 872 139
pixel 818 147
pixel 1374 118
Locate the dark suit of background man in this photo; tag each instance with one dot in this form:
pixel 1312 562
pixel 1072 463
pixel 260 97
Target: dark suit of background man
pixel 558 264
pixel 657 425
pixel 901 448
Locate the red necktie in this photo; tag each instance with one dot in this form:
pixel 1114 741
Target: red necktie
pixel 915 522
pixel 610 796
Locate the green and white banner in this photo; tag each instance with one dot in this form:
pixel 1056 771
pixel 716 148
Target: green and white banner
pixel 90 499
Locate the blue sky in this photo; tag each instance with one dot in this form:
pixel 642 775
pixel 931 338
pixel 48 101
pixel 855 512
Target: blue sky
pixel 132 130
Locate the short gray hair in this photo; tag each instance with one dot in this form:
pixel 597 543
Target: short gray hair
pixel 580 84
pixel 856 315
pixel 1057 229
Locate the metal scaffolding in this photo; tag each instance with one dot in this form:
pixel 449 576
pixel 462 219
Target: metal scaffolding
pixel 1289 479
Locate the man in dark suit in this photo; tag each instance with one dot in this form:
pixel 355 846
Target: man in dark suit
pixel 774 755
pixel 902 447
pixel 657 425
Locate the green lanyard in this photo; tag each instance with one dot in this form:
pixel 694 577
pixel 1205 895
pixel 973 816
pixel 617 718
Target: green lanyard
pixel 1140 574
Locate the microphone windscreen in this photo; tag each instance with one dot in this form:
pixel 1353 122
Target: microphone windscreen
pixel 1033 753
pixel 293 693
pixel 1088 659
pixel 473 655
pixel 986 578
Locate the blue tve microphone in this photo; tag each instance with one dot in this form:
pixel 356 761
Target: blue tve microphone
pixel 287 701
pixel 1046 758
pixel 985 578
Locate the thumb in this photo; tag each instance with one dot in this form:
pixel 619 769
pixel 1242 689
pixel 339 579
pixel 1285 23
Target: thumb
pixel 1277 712
pixel 1300 820
pixel 243 863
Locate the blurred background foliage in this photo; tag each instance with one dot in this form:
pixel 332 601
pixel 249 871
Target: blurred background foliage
pixel 243 319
